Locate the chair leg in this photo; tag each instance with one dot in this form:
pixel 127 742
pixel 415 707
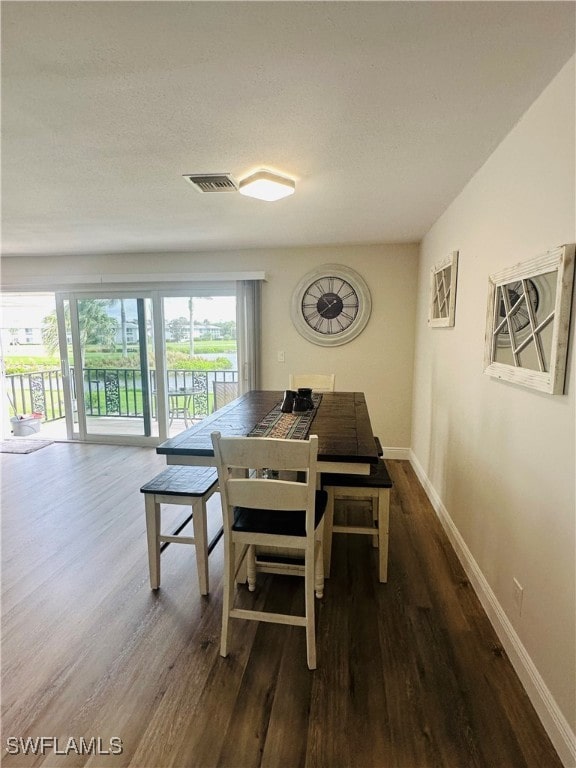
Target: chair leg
pixel 201 543
pixel 328 522
pixel 153 535
pixel 228 594
pixel 383 532
pixel 310 618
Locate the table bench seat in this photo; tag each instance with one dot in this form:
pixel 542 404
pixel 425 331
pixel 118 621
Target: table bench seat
pixel 374 487
pixel 189 486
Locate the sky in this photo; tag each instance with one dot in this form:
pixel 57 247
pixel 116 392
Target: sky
pixel 20 311
pixel 213 309
pixel 27 311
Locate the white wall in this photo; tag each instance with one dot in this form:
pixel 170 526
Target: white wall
pixel 499 459
pixel 379 362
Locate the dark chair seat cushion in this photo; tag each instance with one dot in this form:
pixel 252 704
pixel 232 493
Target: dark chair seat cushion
pixel 378 478
pixel 279 522
pixel 182 481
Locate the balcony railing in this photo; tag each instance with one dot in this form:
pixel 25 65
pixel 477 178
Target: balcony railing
pixel 37 392
pixel 110 391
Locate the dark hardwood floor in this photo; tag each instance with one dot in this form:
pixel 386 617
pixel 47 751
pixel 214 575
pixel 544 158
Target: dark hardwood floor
pixel 410 673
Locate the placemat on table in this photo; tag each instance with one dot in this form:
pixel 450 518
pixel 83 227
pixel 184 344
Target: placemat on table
pixel 290 426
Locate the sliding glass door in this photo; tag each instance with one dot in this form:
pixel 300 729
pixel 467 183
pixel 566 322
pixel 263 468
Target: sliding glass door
pixel 107 359
pixel 140 366
pixel 200 339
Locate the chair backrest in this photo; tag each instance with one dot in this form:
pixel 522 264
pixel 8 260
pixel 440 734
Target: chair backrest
pixel 240 461
pixel 224 392
pixel 319 382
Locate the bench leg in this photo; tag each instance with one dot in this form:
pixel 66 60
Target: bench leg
pixel 375 501
pixel 153 535
pixel 251 567
pixel 328 524
pixel 383 532
pixel 319 561
pixel 201 543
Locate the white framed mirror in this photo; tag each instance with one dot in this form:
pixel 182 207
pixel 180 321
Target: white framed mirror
pixel 442 304
pixel 528 319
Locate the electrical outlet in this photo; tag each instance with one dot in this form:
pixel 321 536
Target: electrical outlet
pixel 518 595
pixel 280 357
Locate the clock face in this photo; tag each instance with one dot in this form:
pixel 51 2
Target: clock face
pixel 519 295
pixel 331 305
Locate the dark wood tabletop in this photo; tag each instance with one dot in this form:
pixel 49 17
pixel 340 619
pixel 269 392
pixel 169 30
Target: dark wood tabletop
pixel 342 424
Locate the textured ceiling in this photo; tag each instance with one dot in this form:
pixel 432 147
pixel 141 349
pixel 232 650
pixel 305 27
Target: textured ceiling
pixel 381 111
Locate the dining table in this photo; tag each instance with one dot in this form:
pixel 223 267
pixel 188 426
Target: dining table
pixel 341 421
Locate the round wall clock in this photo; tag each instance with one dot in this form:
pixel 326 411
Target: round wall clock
pixel 331 305
pixel 540 292
pixel 521 318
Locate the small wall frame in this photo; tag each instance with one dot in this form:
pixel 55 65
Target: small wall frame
pixel 442 305
pixel 528 321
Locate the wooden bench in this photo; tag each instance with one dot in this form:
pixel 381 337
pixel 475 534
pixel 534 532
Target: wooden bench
pixel 189 486
pixel 375 487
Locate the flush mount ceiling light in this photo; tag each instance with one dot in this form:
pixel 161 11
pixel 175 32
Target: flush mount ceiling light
pixel 265 185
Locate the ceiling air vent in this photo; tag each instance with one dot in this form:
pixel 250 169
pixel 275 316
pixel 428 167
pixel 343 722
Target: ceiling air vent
pixel 212 182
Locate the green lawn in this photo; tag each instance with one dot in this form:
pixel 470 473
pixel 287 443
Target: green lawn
pixel 94 357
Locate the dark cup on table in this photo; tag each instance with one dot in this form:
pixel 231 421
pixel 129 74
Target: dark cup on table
pixel 288 401
pixel 303 401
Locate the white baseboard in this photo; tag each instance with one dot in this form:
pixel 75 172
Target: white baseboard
pixel 554 722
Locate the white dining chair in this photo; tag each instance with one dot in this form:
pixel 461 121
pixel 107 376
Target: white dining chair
pixel 318 382
pixel 259 511
pixel 224 392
